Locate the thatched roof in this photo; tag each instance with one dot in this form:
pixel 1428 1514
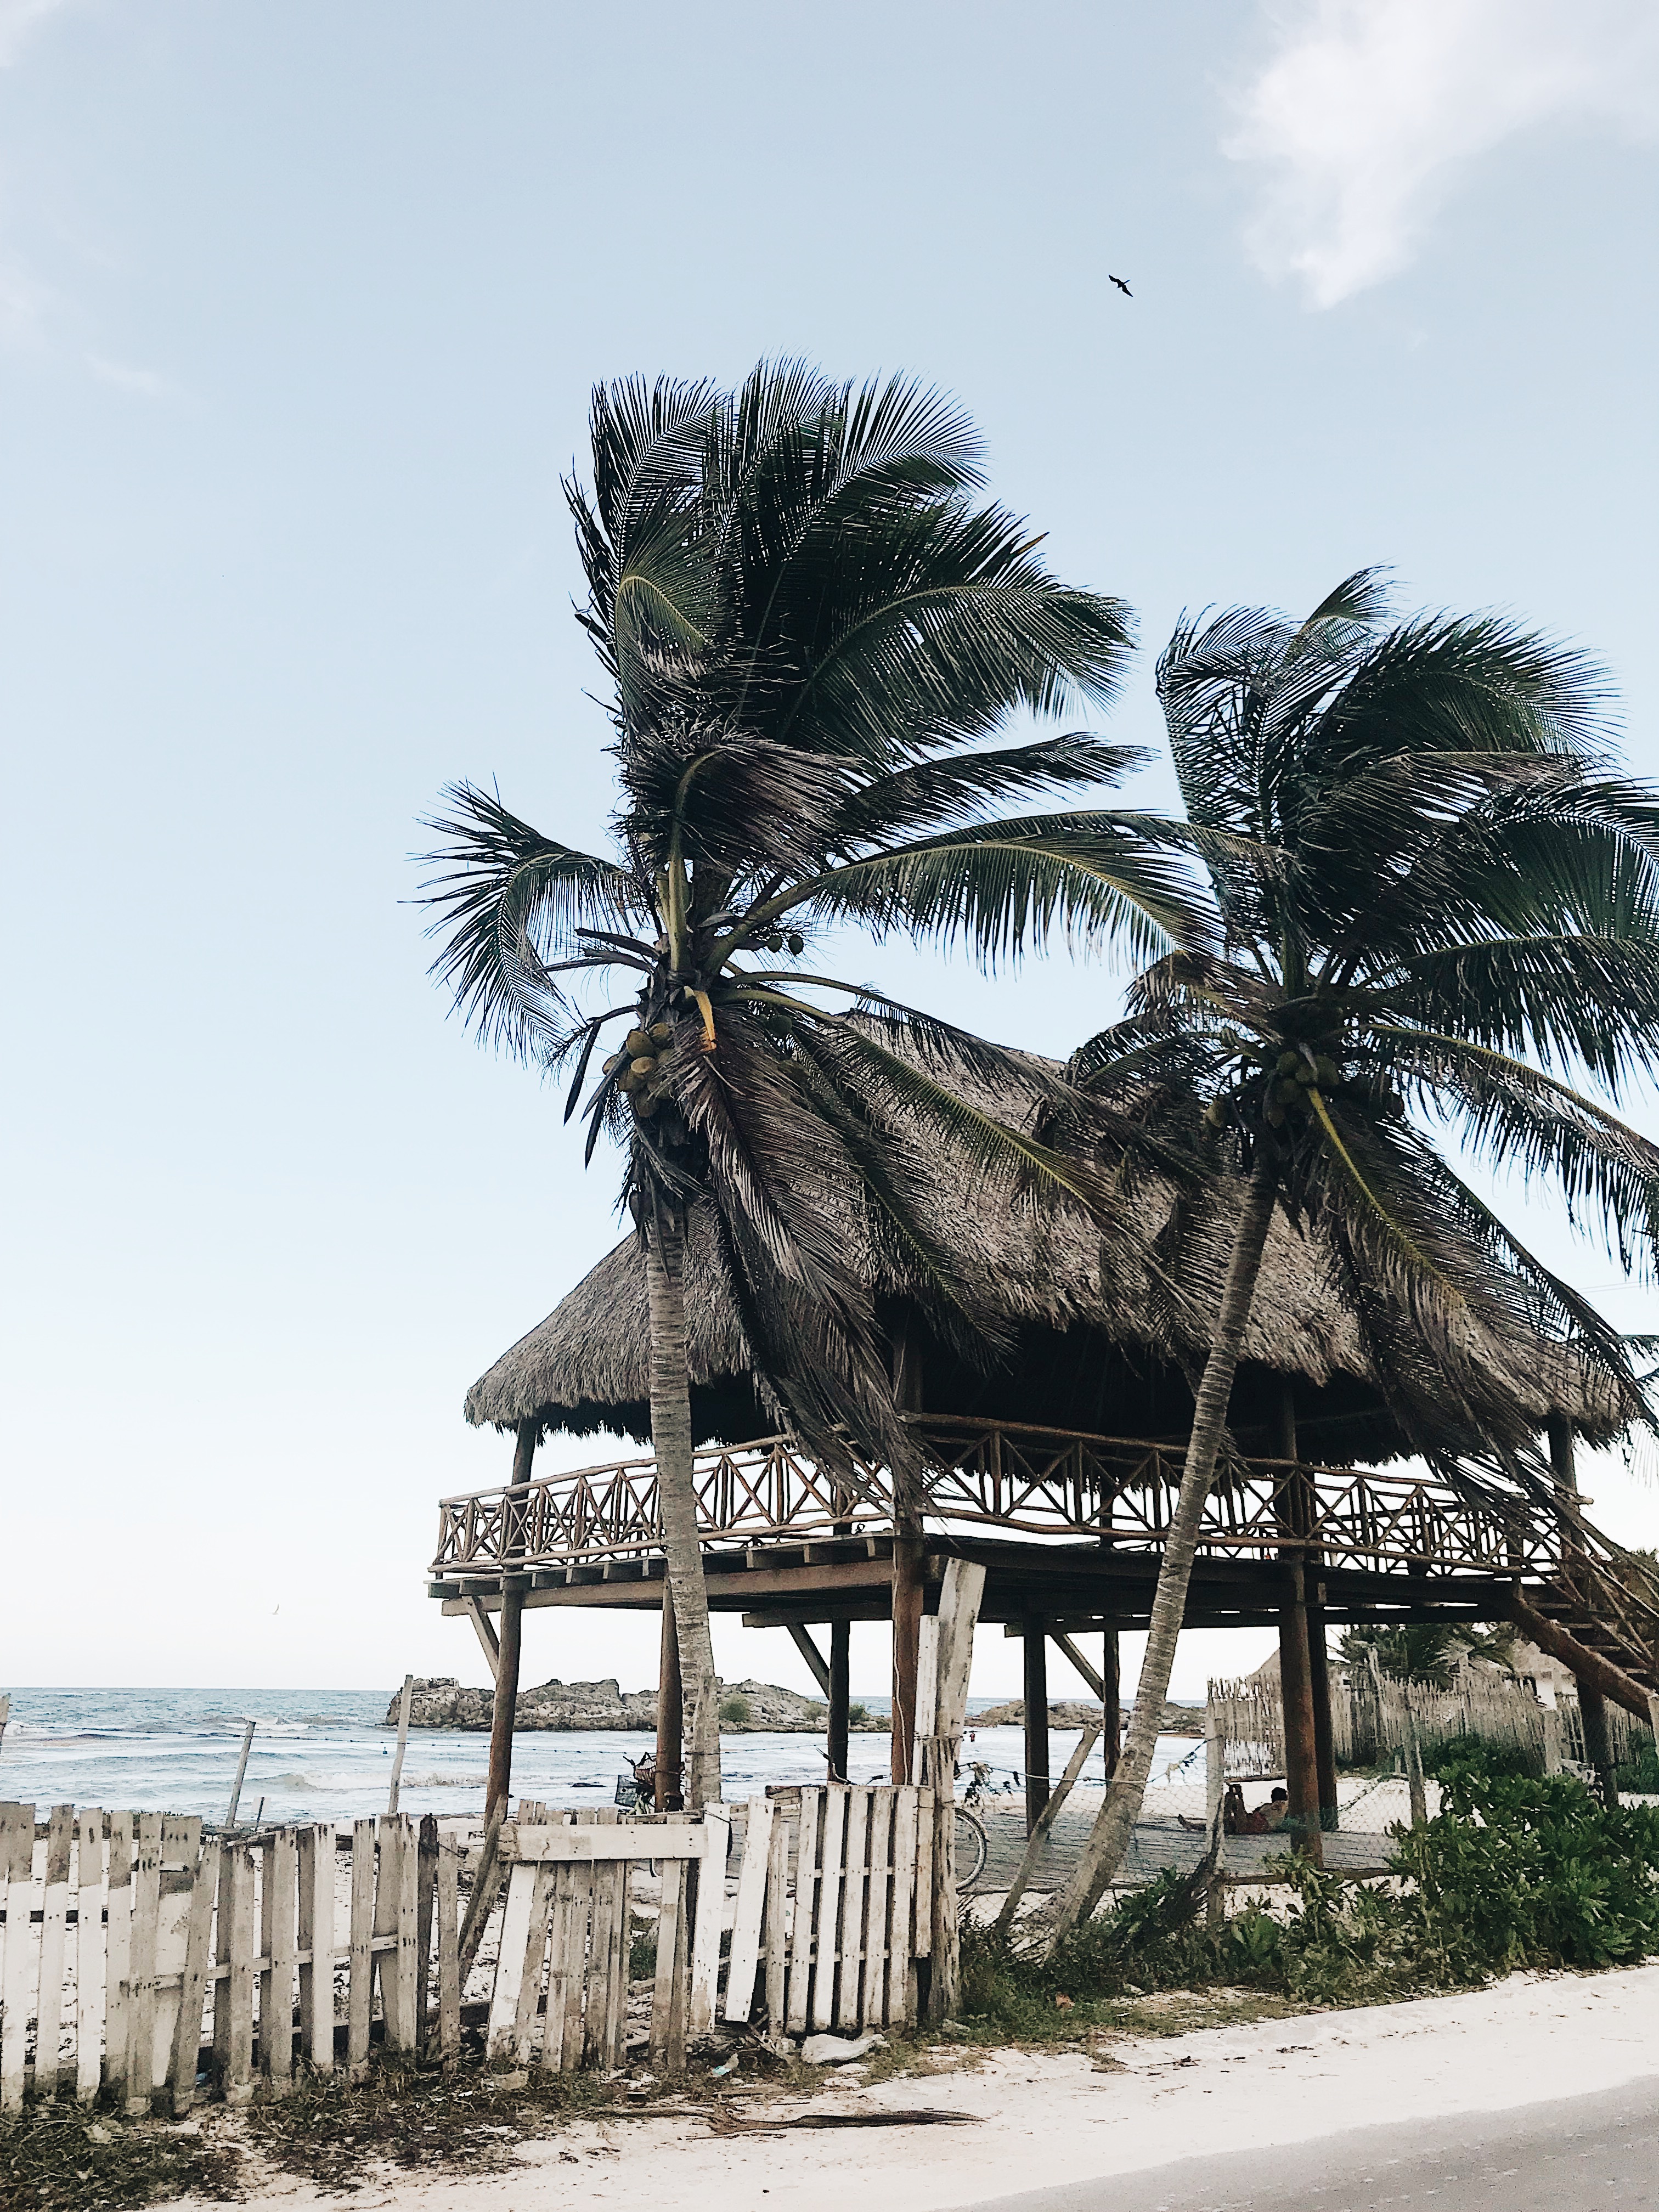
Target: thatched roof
pixel 1095 1348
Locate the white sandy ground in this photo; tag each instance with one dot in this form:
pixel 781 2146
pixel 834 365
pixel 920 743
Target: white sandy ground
pixel 1055 2119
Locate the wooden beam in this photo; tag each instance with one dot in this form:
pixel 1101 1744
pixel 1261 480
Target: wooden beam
pixel 1096 1683
pixel 1589 1666
pixel 486 1632
pixel 809 1652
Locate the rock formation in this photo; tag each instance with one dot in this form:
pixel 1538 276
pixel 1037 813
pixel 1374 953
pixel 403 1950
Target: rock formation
pixel 440 1702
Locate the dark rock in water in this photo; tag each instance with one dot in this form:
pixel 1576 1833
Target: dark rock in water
pixel 1078 1712
pixel 440 1701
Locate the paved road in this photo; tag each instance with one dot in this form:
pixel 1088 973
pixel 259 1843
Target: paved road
pixel 1561 2157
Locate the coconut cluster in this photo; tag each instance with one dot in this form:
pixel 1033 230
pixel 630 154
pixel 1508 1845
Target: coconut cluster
pixel 637 1068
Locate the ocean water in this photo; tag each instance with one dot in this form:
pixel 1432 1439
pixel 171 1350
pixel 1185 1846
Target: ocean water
pixel 326 1755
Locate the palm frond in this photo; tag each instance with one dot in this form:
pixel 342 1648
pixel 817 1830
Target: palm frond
pixel 509 902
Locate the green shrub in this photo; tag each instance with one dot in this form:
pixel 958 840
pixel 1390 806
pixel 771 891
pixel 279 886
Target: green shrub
pixel 857 1716
pixel 1640 1773
pixel 1517 1870
pixel 735 1710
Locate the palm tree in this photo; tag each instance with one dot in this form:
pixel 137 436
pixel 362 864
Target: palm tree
pixel 1436 901
pixel 806 620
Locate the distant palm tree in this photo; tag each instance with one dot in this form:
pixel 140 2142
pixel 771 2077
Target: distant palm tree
pixel 806 620
pixel 1429 1652
pixel 1435 899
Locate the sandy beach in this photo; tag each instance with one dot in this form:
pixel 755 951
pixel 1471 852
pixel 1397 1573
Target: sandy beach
pixel 1044 2119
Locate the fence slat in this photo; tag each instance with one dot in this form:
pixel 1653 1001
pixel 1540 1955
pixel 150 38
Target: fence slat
pixel 280 1920
pixel 146 1917
pixel 777 1923
pixel 530 1982
pixel 426 1882
pixel 828 1927
pixel 575 1980
pixel 745 1955
pixel 446 1910
pixel 511 1962
pixel 706 1939
pixel 806 1898
pixel 237 1997
pixel 852 1910
pixel 901 1990
pixel 54 1926
pixel 20 1953
pixel 922 1920
pixel 667 2046
pixel 622 1937
pixel 192 1994
pixel 315 1864
pixel 872 2003
pixel 359 1993
pixel 118 1959
pixel 89 1954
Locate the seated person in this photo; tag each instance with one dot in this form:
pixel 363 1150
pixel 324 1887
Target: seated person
pixel 1277 1811
pixel 1233 1814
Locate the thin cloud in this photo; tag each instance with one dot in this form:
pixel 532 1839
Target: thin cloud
pixel 144 382
pixel 17 18
pixel 1368 112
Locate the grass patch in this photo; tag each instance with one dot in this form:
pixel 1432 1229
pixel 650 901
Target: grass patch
pixel 63 2157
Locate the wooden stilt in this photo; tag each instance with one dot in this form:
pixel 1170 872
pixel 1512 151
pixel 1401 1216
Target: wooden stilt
pixel 507 1671
pixel 1324 1738
pixel 907 1645
pixel 1111 1698
pixel 671 1714
pixel 908 1394
pixel 1296 1689
pixel 841 1644
pixel 1037 1721
pixel 1592 1703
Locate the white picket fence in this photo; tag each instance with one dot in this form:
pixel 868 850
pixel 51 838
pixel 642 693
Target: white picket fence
pixel 132 1946
pixel 141 1958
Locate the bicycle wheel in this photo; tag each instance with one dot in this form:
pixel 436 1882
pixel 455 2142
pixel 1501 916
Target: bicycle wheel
pixel 971 1850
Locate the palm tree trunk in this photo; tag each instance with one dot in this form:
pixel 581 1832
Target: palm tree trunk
pixel 1104 1852
pixel 670 1446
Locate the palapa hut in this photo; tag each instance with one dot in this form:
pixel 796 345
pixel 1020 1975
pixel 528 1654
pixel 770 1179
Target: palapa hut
pixel 1055 1460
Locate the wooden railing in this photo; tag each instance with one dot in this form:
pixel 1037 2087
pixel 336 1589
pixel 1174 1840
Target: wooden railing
pixel 997 1475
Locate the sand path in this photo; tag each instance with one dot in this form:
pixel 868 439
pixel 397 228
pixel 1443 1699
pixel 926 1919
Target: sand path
pixel 1050 2119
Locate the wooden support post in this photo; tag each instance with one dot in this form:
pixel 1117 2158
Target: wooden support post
pixel 1324 1735
pixel 1416 1789
pixel 671 1714
pixel 403 1744
pixel 907 1596
pixel 1111 1699
pixel 1038 1838
pixel 1035 1648
pixel 1296 1690
pixel 1592 1701
pixel 907 1395
pixel 507 1672
pixel 1215 1793
pixel 841 1645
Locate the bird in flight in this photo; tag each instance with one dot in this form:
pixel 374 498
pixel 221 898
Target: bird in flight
pixel 1121 285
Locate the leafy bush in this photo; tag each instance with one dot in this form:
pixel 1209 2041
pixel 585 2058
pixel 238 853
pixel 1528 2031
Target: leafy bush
pixel 1640 1773
pixel 735 1710
pixel 1517 1870
pixel 857 1716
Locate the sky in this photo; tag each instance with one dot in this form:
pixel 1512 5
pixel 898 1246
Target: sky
pixel 299 311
